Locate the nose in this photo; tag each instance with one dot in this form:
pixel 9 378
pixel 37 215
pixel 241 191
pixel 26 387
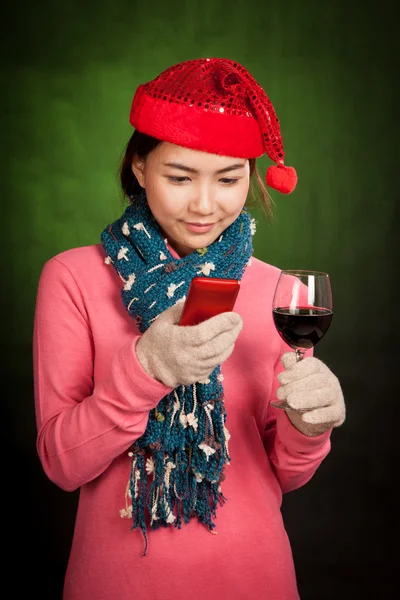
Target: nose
pixel 204 202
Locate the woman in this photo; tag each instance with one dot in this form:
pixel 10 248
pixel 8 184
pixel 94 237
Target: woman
pixel 172 426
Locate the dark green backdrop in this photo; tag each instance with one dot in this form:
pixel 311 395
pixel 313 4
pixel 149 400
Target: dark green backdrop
pixel 69 74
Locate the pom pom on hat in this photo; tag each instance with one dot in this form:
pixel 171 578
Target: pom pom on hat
pixel 213 105
pixel 281 178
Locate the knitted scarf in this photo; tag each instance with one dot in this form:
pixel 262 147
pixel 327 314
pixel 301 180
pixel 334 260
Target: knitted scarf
pixel 177 464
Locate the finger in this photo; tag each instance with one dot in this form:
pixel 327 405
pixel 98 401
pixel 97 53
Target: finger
pixel 288 359
pixel 203 376
pixel 307 384
pixel 225 355
pixel 327 415
pixel 198 376
pixel 213 348
pixel 209 329
pixel 219 359
pixel 302 368
pixel 209 354
pixel 206 344
pixel 321 397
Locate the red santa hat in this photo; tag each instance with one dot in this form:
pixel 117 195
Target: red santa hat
pixel 213 105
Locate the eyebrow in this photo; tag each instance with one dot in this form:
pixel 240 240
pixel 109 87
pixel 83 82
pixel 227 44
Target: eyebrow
pixel 191 170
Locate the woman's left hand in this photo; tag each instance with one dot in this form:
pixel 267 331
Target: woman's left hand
pixel 310 385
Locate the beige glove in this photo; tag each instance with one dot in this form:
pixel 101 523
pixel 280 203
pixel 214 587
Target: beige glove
pixel 178 355
pixel 309 384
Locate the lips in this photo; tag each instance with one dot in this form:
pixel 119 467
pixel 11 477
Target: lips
pixel 199 227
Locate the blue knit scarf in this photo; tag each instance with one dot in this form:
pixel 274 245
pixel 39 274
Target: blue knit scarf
pixel 177 464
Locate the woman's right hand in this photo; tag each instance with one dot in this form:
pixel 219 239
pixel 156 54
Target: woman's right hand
pixel 177 355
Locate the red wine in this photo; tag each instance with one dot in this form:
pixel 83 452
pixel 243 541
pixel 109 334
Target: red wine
pixel 303 326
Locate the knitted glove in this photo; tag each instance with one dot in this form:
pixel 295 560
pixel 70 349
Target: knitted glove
pixel 178 355
pixel 310 385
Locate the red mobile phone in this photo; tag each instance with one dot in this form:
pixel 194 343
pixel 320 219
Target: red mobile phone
pixel 208 297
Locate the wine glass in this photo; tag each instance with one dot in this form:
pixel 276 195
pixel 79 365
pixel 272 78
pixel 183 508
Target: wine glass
pixel 302 311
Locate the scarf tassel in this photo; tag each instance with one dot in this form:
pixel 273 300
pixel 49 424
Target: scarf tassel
pixel 186 480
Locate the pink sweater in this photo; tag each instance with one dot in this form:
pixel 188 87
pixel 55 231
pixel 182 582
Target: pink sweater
pixel 92 401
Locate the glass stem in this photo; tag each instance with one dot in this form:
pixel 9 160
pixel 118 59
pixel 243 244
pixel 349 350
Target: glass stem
pixel 300 354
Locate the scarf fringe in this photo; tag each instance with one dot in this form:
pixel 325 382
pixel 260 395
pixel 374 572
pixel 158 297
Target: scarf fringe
pixel 180 476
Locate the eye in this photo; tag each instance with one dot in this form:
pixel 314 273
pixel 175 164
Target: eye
pixel 227 181
pixel 178 179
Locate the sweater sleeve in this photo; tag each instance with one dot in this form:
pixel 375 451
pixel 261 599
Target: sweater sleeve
pixel 82 427
pixel 294 456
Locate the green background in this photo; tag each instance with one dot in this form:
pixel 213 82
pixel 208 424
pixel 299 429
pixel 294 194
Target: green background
pixel 69 74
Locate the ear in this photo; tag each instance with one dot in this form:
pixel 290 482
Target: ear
pixel 138 170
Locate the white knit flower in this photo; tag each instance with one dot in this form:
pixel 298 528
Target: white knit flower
pixel 183 420
pixel 125 228
pixel 199 477
pixel 220 377
pixel 192 421
pixel 249 262
pixel 108 260
pixel 122 253
pixel 149 466
pixel 137 477
pixel 172 288
pixel 205 381
pixel 141 227
pixel 126 513
pixel 129 282
pixel 253 227
pixel 206 268
pixel 154 516
pixel 162 255
pixel 208 451
pixel 171 518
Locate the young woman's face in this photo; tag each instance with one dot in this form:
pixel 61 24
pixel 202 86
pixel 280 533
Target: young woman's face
pixel 194 196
